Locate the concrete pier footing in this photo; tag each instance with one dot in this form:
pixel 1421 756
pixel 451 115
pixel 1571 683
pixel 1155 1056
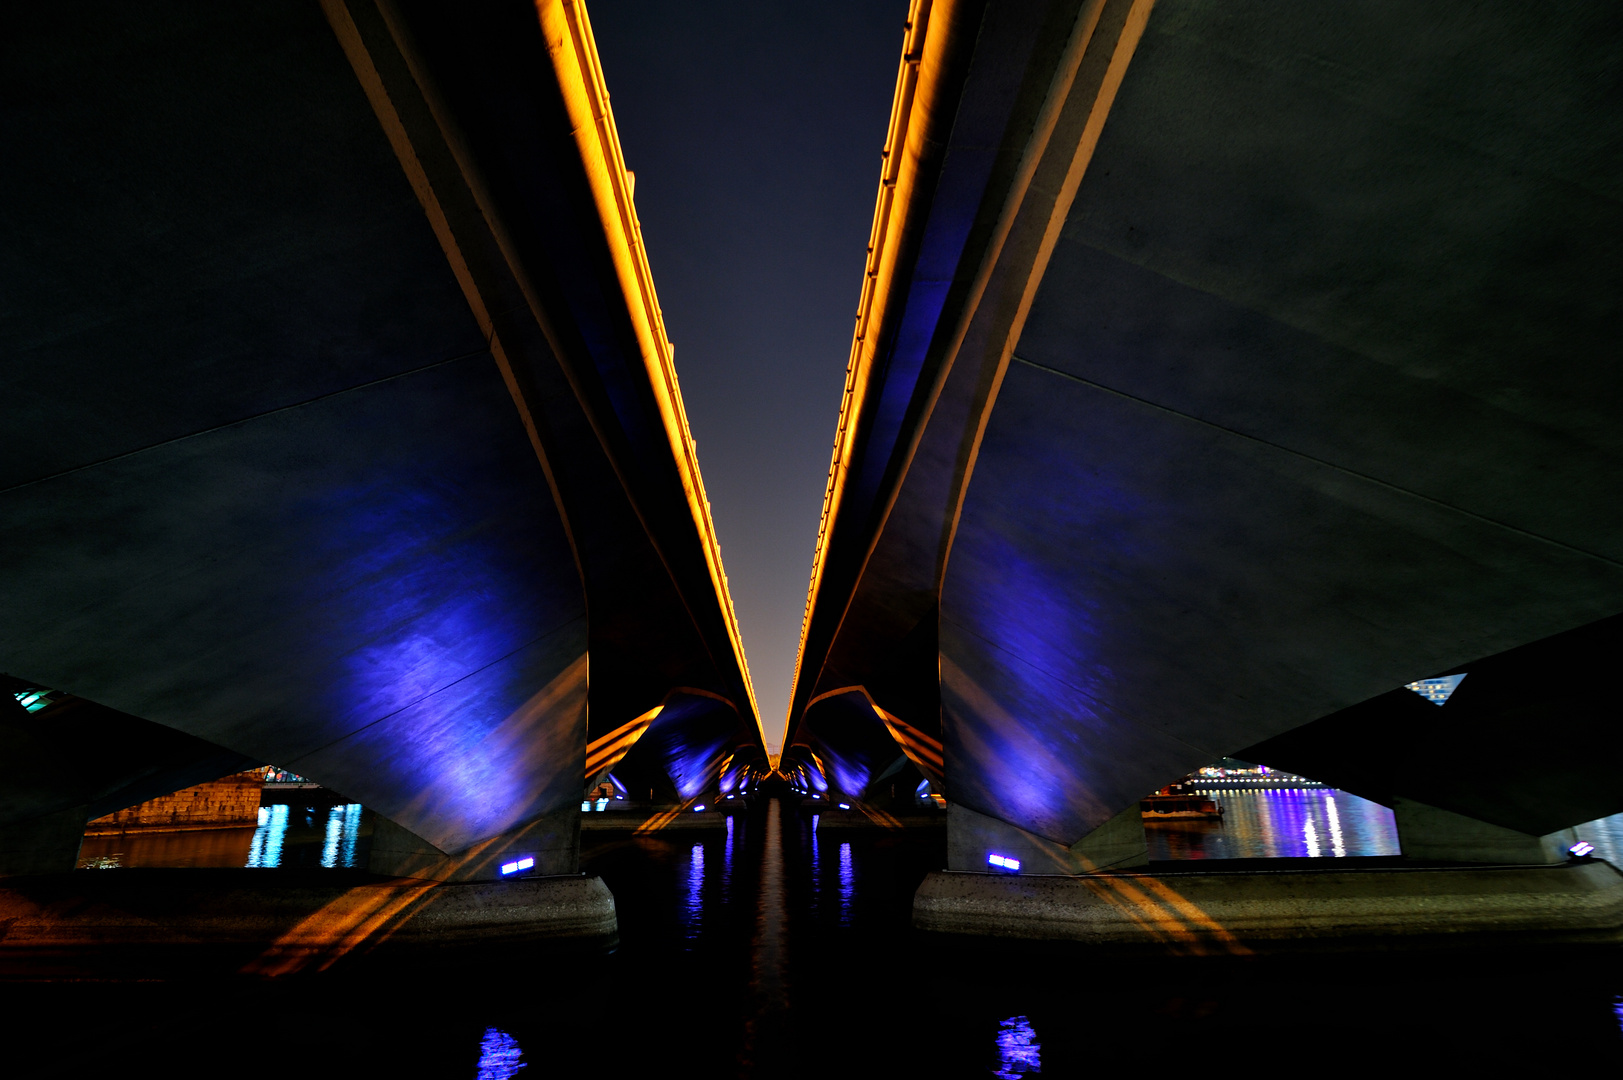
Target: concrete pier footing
pixel 1578 902
pixel 157 923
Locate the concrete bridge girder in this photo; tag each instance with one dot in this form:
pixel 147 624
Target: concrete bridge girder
pixel 382 474
pixel 1254 427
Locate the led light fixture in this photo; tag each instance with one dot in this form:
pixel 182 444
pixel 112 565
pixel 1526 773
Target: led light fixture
pixel 1003 862
pixel 845 806
pixel 696 809
pixel 1581 848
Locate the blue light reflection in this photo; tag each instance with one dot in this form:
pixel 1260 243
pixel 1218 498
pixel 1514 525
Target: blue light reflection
pixel 693 903
pixel 848 883
pixel 1018 1050
pixel 816 869
pixel 727 864
pixel 500 1056
pixel 265 849
pixel 278 827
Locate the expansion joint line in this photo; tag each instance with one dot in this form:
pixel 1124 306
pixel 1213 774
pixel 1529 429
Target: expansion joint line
pixel 1301 455
pixel 396 376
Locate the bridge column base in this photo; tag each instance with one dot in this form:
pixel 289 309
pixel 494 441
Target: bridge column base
pixel 1427 834
pixel 973 837
pixel 42 845
pixel 1258 911
pixel 551 841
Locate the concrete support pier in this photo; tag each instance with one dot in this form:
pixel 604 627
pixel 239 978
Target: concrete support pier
pixel 1277 910
pixel 972 838
pixel 1428 834
pixel 47 844
pixel 549 843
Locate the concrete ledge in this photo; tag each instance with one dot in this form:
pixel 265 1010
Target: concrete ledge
pixel 155 923
pixel 576 906
pixel 668 819
pixel 1263 910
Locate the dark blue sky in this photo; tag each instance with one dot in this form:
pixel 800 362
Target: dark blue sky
pixel 755 130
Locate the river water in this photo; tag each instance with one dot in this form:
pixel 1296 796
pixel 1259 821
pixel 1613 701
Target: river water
pixel 780 948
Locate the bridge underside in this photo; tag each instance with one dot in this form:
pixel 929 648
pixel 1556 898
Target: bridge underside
pixel 332 439
pixel 1314 396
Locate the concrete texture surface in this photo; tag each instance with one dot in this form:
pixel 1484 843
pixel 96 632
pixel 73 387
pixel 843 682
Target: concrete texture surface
pixel 1216 912
pixel 146 923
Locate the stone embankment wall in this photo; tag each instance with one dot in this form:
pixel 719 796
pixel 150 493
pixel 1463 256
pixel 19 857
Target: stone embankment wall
pixel 219 804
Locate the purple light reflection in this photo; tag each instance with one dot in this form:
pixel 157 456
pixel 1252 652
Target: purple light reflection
pixel 1018 1050
pixel 816 868
pixel 1280 823
pixel 500 1057
pixel 848 883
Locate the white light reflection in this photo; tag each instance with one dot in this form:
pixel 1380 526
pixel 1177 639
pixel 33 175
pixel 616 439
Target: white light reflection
pixel 817 870
pixel 727 864
pixel 335 834
pixel 500 1057
pixel 1018 1050
pixel 1338 848
pixel 848 882
pixel 265 850
pixel 352 832
pixel 692 908
pixel 1311 835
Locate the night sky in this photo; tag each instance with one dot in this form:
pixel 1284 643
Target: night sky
pixel 754 131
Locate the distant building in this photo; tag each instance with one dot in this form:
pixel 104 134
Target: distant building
pixel 1436 690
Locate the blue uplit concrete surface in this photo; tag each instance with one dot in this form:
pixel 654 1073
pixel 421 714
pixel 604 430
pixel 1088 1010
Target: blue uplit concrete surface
pixel 1607 836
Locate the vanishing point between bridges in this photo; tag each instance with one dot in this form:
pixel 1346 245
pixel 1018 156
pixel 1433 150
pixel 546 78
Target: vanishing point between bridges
pixel 1208 659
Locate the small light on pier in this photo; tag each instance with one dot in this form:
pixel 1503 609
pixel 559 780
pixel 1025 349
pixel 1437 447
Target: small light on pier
pixel 518 865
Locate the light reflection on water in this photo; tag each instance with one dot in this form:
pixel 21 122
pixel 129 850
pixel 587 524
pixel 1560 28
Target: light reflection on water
pixel 500 1056
pixel 1315 823
pixel 1302 822
pixel 848 882
pixel 284 836
pixel 340 832
pixel 693 901
pixel 343 829
pixel 816 870
pixel 727 864
pixel 1018 1050
pixel 266 848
